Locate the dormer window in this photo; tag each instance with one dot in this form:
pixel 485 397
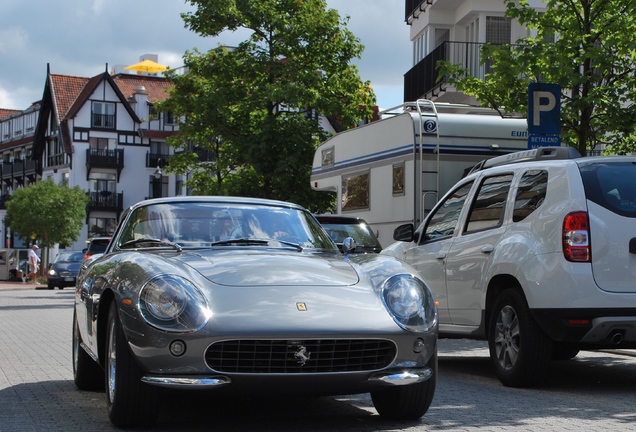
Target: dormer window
pixel 103 115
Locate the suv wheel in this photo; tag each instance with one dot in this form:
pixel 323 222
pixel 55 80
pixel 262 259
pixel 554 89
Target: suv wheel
pixel 519 349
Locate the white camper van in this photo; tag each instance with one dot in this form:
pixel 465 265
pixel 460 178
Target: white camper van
pixel 392 171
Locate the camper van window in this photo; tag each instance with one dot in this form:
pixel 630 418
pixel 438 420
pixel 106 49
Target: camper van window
pixel 327 157
pixel 355 191
pixel 398 179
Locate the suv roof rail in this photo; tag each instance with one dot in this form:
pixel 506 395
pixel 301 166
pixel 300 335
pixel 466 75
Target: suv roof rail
pixel 537 154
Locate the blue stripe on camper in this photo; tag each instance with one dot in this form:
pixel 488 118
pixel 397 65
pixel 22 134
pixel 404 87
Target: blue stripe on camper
pixel 408 149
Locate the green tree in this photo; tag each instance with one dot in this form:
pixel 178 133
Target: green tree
pixel 256 105
pixel 48 212
pixel 585 46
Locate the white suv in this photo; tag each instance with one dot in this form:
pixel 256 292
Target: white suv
pixel 536 252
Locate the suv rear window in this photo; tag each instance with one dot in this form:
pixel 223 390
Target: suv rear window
pixel 530 194
pixel 611 185
pixel 488 209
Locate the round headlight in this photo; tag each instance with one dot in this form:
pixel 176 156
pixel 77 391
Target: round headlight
pixel 410 302
pixel 174 304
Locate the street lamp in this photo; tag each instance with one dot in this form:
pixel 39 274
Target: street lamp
pixel 158 172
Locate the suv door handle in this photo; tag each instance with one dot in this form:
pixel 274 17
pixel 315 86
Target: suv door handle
pixel 440 256
pixel 487 249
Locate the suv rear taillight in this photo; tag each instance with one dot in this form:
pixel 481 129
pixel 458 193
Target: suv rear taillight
pixel 576 237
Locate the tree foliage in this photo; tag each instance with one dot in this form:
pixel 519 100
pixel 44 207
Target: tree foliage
pixel 585 46
pixel 48 212
pixel 255 105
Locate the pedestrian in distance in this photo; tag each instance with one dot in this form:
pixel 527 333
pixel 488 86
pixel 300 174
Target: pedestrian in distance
pixel 34 262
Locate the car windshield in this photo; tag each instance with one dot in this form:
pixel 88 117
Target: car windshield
pixel 360 232
pixel 70 257
pixel 197 224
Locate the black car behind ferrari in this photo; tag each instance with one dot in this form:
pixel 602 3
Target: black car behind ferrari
pixel 63 271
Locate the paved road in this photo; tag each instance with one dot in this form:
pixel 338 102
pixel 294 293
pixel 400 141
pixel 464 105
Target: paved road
pixel 594 392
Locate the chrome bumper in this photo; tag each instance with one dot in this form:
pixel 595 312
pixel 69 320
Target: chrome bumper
pixel 405 377
pixel 385 378
pixel 187 382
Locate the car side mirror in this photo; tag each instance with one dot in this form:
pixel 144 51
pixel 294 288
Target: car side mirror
pixel 348 245
pixel 404 233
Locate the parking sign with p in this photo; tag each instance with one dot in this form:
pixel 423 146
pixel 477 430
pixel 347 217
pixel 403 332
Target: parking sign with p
pixel 544 109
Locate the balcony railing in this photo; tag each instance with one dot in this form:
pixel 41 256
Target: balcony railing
pixel 18 170
pixel 424 80
pixel 156 159
pixel 57 160
pixel 100 158
pixel 412 6
pixel 105 201
pixel 103 121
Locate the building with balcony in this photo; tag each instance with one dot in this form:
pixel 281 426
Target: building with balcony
pixel 453 30
pixel 17 166
pixel 100 133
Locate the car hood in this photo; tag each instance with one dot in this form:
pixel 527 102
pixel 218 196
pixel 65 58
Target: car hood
pixel 255 268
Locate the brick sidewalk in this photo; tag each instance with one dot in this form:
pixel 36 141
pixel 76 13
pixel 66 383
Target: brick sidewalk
pixel 6 285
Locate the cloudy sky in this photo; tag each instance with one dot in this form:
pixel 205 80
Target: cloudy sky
pixel 81 37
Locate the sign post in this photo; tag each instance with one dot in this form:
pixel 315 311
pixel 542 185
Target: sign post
pixel 544 115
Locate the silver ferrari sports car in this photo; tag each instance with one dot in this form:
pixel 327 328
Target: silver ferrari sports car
pixel 248 296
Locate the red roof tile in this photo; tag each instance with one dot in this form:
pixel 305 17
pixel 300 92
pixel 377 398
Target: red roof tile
pixel 156 87
pixel 4 112
pixel 65 91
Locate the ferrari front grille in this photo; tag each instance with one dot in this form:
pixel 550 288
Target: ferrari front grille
pixel 300 356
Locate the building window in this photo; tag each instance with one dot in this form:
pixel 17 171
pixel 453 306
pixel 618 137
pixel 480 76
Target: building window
pixel 103 183
pixel 103 115
pixel 355 192
pixel 6 130
pixel 18 124
pixel 158 187
pixel 168 118
pixel 498 30
pixel 29 122
pixel 99 143
pixel 152 112
pixel 101 226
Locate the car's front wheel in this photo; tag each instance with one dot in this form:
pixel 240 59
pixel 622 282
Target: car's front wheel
pixel 519 349
pixel 130 401
pixel 409 402
pixel 87 373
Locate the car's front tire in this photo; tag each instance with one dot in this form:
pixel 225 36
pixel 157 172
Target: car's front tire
pixel 87 373
pixel 409 402
pixel 519 349
pixel 130 402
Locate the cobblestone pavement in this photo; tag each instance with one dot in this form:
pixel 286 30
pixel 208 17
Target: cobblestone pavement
pixel 594 392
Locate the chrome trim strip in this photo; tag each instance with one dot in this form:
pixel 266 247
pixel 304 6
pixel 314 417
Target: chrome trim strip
pixel 405 377
pixel 187 382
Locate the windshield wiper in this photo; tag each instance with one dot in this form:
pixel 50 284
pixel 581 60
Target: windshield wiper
pixel 153 242
pixel 253 241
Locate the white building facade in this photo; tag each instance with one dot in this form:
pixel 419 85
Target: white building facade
pixel 454 30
